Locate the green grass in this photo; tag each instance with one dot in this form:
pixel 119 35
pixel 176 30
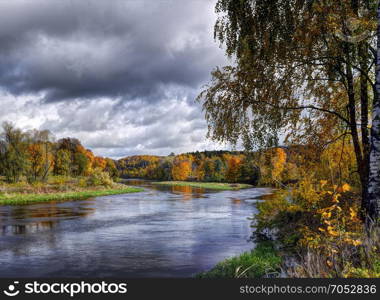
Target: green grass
pixel 255 264
pixel 206 185
pixel 17 199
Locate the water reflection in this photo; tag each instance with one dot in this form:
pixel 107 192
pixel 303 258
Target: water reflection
pixel 27 228
pixel 161 232
pixel 236 200
pixel 187 192
pixel 40 217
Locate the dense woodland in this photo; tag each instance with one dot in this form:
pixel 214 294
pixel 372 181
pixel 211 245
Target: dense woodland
pixel 205 166
pixel 271 167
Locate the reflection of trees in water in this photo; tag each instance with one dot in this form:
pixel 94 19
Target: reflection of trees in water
pixel 236 201
pixel 35 218
pixel 187 192
pixel 27 228
pixel 29 243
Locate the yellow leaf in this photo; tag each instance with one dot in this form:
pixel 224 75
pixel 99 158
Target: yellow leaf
pixel 353 213
pixel 326 215
pixel 335 198
pixel 346 187
pixel 331 231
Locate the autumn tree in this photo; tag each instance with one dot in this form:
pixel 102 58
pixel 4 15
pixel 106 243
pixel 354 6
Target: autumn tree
pixel 209 169
pixel 233 169
pixel 62 162
pixel 80 164
pixel 220 170
pixel 91 157
pixel 182 168
pixel 111 169
pixel 45 140
pixel 374 174
pixel 292 58
pixel 278 161
pixel 249 171
pixel 99 162
pixel 70 144
pixel 36 158
pixel 13 153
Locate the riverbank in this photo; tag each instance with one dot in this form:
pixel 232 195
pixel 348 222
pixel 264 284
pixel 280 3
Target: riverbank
pixel 60 188
pixel 206 185
pixel 262 261
pixel 17 199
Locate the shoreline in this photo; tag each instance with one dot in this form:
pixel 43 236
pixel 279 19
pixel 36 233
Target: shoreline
pixel 206 185
pixel 261 261
pixel 19 198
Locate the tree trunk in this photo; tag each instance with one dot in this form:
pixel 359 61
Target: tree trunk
pixel 374 167
pixel 363 50
pixel 353 128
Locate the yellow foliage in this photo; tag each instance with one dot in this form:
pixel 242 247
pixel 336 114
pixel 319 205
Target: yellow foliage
pixel 278 163
pixel 181 168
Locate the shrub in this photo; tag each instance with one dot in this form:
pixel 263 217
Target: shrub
pixel 58 180
pixel 82 182
pixel 261 261
pixel 98 177
pixel 320 224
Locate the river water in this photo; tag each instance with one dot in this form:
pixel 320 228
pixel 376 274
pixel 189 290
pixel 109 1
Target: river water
pixel 161 232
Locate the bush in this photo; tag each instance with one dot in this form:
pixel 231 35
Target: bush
pixel 82 182
pixel 260 262
pixel 319 224
pixel 98 177
pixel 58 180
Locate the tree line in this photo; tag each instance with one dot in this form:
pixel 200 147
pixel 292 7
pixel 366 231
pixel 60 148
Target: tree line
pixel 269 168
pixel 34 155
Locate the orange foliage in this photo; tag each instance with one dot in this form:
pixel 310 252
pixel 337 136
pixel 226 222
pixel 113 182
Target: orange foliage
pixel 278 161
pixel 99 162
pixel 233 168
pixel 35 152
pixel 181 168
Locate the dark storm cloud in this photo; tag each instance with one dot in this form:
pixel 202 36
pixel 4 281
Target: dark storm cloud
pixel 121 76
pixel 82 50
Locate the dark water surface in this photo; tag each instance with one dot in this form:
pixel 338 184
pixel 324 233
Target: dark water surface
pixel 161 232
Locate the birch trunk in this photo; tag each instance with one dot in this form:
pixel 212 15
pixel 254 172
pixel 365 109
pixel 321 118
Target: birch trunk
pixel 374 173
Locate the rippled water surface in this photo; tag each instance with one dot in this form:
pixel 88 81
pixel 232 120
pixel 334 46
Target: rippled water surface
pixel 161 232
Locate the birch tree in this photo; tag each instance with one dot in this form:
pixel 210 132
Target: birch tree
pixel 374 174
pixel 300 68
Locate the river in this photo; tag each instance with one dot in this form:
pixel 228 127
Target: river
pixel 161 232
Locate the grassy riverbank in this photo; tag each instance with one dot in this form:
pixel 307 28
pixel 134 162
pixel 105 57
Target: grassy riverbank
pixel 17 199
pixel 261 261
pixel 206 185
pixel 59 188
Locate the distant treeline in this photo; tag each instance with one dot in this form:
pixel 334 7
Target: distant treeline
pixel 209 166
pixel 34 155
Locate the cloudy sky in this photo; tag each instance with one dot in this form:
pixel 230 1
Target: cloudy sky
pixel 121 76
